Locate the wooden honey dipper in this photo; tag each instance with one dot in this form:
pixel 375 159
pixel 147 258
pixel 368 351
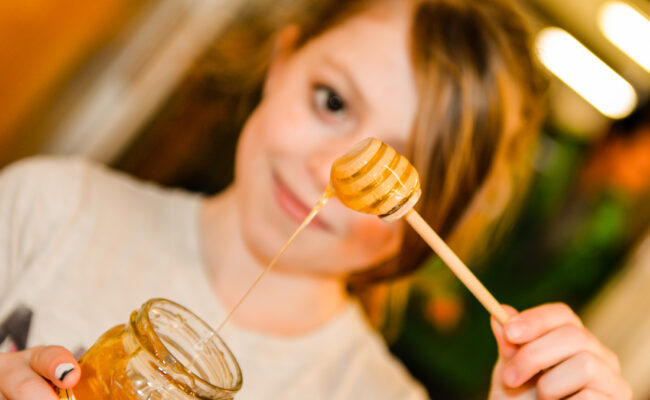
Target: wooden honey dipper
pixel 373 178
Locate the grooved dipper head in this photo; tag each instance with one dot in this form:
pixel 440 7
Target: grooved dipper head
pixel 373 178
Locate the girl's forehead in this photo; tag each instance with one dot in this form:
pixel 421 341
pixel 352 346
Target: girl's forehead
pixel 386 19
pixel 384 25
pixel 373 49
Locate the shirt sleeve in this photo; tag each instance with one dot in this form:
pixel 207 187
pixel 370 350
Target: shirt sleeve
pixel 38 196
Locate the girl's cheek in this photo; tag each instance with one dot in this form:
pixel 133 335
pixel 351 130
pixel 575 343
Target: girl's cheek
pixel 287 129
pixel 375 236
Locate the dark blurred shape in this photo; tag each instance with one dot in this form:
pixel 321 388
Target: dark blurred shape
pixel 190 142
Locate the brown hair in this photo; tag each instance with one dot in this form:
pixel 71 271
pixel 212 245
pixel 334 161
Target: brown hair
pixel 479 112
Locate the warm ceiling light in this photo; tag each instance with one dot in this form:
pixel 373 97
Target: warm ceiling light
pixel 585 73
pixel 628 29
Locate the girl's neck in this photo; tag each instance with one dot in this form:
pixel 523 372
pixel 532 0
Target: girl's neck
pixel 282 303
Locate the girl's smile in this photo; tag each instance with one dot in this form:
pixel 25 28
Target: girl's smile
pixel 294 207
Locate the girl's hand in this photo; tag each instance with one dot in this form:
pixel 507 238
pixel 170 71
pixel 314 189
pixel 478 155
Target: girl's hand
pixel 546 353
pixel 23 374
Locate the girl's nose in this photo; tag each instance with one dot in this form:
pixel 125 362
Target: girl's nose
pixel 322 157
pixel 319 165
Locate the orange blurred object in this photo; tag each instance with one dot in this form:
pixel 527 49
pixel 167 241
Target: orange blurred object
pixel 623 163
pixel 43 43
pixel 444 312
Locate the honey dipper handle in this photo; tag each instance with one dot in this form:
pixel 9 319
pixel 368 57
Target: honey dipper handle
pixel 457 266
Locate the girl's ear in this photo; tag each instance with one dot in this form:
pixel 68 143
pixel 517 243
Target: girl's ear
pixel 283 47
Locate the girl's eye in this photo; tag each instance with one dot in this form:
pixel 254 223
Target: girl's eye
pixel 328 101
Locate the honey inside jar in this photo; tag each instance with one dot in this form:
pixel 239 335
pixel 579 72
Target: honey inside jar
pixel 164 352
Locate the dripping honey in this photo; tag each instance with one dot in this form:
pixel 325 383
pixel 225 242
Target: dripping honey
pixel 105 366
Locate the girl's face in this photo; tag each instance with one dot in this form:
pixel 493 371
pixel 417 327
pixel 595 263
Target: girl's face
pixel 353 81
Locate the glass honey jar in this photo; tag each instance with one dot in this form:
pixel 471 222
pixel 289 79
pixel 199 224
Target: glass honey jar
pixel 163 352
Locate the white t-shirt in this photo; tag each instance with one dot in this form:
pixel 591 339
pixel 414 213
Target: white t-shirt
pixel 81 247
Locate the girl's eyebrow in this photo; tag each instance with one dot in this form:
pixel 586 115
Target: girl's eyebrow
pixel 348 78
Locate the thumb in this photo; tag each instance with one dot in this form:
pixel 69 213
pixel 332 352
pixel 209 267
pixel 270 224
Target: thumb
pixel 56 364
pixel 506 349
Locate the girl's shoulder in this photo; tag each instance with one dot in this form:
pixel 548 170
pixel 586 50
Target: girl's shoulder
pixel 41 177
pixel 37 193
pixel 52 183
pixel 38 198
pixel 43 196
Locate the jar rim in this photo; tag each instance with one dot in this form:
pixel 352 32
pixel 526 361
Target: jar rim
pixel 150 333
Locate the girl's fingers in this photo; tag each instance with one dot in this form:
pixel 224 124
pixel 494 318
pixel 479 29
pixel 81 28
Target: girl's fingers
pixel 535 322
pixel 506 349
pixel 589 394
pixel 19 382
pixel 56 364
pixel 583 375
pixel 551 349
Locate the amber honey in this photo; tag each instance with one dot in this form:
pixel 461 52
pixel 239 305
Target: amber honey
pixel 323 200
pixel 103 366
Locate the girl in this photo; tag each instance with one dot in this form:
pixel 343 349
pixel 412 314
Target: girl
pixel 450 83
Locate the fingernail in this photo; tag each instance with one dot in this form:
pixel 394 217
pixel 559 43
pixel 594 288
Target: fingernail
pixel 63 370
pixel 510 375
pixel 514 331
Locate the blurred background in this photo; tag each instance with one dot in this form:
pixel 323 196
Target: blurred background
pixel 124 83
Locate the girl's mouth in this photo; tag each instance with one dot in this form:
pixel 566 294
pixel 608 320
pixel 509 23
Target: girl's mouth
pixel 295 208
